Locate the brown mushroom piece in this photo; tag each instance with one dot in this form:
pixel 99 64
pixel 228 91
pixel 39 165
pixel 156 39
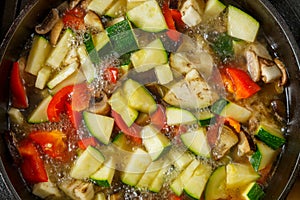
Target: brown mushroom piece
pixel 226 139
pixel 282 68
pixel 91 19
pixel 254 53
pixel 269 70
pixel 246 144
pixel 102 107
pixel 48 23
pixel 253 65
pixel 55 32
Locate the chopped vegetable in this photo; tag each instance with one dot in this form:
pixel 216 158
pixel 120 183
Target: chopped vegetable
pixel 147 99
pixel 32 166
pixel 244 87
pixel 85 142
pixel 74 18
pixel 241 25
pixel 172 33
pixel 52 142
pixel 18 90
pixel 77 95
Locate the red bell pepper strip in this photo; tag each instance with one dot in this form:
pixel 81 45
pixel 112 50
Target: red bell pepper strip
pixel 76 95
pixel 228 84
pixel 244 86
pixel 85 142
pixel 112 74
pixel 133 131
pixel 32 166
pixel 52 142
pixel 74 18
pixel 57 103
pixel 74 116
pixel 158 118
pixel 177 17
pixel 80 97
pixel 172 33
pixel 18 90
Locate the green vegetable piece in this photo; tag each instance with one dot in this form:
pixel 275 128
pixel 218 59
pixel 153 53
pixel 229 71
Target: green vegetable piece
pixel 223 46
pixel 90 47
pixel 122 37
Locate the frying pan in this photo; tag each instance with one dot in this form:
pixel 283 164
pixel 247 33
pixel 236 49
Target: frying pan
pixel 273 27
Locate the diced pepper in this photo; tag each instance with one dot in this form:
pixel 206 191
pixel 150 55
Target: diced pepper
pixel 177 17
pixel 244 86
pixel 74 116
pixel 32 167
pixel 238 82
pixel 112 74
pixel 132 131
pixel 158 118
pixel 77 95
pixel 172 32
pixel 18 90
pixel 52 142
pixel 57 103
pixel 74 18
pixel 80 97
pixel 85 142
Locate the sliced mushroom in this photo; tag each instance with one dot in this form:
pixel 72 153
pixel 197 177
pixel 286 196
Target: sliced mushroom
pixel 91 19
pixel 225 141
pixel 48 23
pixel 253 65
pixel 262 67
pixel 282 68
pixel 102 107
pixel 55 32
pixel 245 145
pixel 260 50
pixel 269 71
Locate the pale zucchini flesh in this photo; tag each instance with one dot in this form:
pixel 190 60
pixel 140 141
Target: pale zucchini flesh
pixel 152 55
pixel 196 184
pixel 59 52
pixel 39 114
pixel 99 126
pixel 104 175
pixel 241 25
pixel 177 116
pixel 216 185
pixel 87 163
pixel 62 75
pixel 38 54
pixel 196 142
pixel 42 77
pixel 137 164
pixel 148 17
pixel 155 142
